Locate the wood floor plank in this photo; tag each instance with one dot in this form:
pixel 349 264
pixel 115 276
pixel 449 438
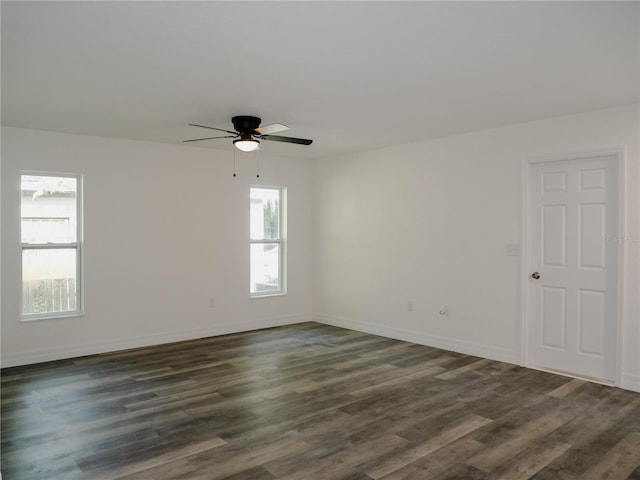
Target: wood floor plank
pixel 400 459
pixel 453 373
pixel 333 466
pixel 163 461
pixel 411 375
pixel 437 462
pixel 522 438
pixel 309 401
pixel 620 462
pixel 229 461
pixel 568 388
pixel 531 461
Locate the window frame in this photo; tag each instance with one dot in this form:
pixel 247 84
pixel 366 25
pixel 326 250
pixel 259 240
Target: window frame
pixel 280 242
pixel 77 246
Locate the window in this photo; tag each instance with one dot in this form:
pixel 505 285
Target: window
pixel 267 245
pixel 50 233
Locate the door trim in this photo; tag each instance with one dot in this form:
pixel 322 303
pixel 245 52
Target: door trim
pixel 528 161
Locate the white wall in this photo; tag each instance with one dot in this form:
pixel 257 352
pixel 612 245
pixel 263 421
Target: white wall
pixel 166 228
pixel 426 222
pixel 429 223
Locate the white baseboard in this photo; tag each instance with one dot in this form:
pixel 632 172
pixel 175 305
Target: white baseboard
pixel 72 351
pixel 451 344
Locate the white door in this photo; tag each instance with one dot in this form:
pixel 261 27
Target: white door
pixel 572 285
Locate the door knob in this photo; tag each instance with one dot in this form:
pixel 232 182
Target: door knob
pixel 535 275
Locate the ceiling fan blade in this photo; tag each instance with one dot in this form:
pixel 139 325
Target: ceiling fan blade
pixel 278 138
pixel 213 128
pixel 271 128
pixel 208 138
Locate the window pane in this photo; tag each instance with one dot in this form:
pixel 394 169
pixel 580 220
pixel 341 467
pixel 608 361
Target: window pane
pixel 265 267
pixel 49 209
pixel 265 213
pixel 49 280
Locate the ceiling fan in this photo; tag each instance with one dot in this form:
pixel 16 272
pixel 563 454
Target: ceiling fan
pixel 248 133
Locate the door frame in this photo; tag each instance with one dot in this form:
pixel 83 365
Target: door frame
pixel 527 232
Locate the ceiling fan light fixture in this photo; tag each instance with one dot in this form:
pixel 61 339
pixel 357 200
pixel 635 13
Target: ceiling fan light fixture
pixel 247 144
pixel 247 131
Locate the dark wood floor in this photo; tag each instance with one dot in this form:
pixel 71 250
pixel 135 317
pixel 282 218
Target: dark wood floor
pixel 310 402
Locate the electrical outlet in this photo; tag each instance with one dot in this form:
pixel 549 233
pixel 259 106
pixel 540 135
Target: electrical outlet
pixel 409 306
pixel 212 302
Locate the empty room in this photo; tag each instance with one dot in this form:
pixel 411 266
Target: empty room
pixel 320 240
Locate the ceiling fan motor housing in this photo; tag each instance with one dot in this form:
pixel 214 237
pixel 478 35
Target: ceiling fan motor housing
pixel 245 124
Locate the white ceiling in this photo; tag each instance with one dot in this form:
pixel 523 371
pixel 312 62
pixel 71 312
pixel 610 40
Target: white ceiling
pixel 350 75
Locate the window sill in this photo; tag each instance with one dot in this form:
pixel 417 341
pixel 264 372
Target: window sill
pixel 267 295
pixel 51 316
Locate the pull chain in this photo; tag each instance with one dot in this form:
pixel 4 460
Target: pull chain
pixel 234 162
pixel 257 163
